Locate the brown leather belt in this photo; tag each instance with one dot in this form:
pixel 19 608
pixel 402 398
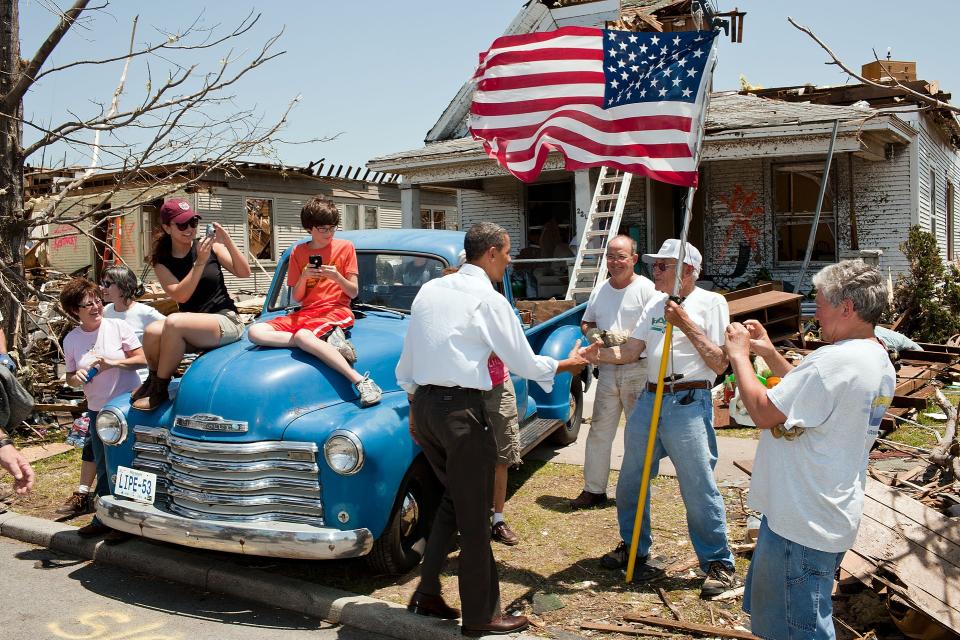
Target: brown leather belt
pixel 679 386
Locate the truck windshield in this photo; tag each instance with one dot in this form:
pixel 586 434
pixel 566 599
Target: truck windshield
pixel 389 280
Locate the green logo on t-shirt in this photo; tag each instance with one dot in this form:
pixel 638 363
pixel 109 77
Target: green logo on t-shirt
pixel 658 324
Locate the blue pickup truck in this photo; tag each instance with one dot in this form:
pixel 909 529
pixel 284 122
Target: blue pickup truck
pixel 267 452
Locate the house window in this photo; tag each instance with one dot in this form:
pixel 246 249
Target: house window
pixel 550 222
pixel 933 204
pixel 357 217
pixel 260 228
pixel 796 188
pixel 951 226
pixel 433 219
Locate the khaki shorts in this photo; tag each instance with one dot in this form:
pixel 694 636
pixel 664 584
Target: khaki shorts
pixel 231 328
pixel 500 404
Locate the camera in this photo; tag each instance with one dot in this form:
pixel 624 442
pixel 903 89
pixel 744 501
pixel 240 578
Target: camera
pixel 316 261
pixel 211 231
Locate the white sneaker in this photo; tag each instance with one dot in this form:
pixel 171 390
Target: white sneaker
pixel 338 340
pixel 370 392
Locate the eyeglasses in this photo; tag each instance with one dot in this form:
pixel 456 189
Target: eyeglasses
pixel 106 284
pixel 611 258
pixel 327 228
pixel 192 223
pixel 663 266
pixel 96 302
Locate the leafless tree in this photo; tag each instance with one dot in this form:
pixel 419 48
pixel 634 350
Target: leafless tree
pixel 921 98
pixel 185 120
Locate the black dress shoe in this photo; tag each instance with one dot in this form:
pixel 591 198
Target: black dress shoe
pixel 423 604
pixel 504 534
pixel 497 627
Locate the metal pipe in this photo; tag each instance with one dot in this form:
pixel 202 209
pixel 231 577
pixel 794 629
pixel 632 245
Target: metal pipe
pixel 811 238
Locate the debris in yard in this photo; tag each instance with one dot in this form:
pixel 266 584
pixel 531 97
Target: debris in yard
pixel 690 627
pixel 619 628
pixel 545 602
pixel 666 601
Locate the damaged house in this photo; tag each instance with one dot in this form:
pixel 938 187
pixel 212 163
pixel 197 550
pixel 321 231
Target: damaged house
pixel 763 158
pixel 258 205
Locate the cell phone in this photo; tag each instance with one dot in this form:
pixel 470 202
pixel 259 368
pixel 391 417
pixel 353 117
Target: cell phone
pixel 211 231
pixel 316 261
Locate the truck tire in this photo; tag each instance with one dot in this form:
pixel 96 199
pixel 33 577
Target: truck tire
pixel 400 547
pixel 567 434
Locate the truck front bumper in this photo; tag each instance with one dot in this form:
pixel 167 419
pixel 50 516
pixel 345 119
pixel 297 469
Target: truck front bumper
pixel 277 539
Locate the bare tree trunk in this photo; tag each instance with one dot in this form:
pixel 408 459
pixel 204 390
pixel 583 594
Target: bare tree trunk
pixel 13 227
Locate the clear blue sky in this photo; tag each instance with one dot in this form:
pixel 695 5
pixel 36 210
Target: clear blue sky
pixel 380 72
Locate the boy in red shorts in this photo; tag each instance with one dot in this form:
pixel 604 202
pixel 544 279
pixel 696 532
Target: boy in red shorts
pixel 322 275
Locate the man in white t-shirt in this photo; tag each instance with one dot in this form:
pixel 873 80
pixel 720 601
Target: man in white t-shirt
pixel 611 316
pixel 817 428
pixel 685 431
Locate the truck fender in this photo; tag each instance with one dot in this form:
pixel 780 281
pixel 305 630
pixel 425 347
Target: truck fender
pixel 557 345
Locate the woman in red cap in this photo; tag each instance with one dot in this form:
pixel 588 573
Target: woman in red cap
pixel 191 272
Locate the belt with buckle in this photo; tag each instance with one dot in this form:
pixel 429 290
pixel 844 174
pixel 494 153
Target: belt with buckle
pixel 679 386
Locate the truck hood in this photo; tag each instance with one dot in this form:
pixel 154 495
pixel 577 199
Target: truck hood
pixel 269 387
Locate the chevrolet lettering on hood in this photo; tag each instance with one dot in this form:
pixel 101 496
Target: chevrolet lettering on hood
pixel 208 422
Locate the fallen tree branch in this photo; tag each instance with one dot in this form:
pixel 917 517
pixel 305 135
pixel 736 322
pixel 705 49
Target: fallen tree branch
pixel 666 601
pixel 690 627
pixel 946 453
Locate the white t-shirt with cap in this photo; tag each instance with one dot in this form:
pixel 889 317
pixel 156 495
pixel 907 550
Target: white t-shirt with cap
pixel 707 310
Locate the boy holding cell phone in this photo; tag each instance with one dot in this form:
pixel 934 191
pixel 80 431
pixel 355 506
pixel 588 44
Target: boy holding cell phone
pixel 322 276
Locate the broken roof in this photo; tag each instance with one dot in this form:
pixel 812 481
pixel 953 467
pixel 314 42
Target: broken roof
pixel 727 111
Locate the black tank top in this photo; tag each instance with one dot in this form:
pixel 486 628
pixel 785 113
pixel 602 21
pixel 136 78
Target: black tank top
pixel 211 295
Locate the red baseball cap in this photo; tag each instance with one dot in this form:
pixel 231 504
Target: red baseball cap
pixel 176 210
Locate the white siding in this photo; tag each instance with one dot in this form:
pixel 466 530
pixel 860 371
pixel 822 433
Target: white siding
pixel 391 217
pixel 938 157
pixel 499 202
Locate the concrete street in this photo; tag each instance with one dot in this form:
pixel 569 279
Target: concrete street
pixel 49 595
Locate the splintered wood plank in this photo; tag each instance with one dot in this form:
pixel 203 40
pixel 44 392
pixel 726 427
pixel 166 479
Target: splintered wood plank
pixel 39 452
pixel 907 506
pixel 690 627
pixel 624 629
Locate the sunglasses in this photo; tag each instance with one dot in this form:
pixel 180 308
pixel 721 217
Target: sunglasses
pixel 96 302
pixel 192 223
pixel 663 266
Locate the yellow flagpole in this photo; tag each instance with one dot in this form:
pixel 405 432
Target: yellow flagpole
pixel 667 343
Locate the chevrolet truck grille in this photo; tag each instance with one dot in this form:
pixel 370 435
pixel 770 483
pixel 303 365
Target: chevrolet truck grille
pixel 240 482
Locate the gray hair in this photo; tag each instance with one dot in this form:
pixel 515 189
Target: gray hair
pixel 633 243
pixel 124 278
pixel 481 237
pixel 858 282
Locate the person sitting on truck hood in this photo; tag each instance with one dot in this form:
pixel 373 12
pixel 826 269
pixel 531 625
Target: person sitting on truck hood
pixel 322 275
pixel 191 272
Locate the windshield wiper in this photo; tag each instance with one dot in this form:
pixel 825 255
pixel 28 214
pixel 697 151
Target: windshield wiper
pixel 377 307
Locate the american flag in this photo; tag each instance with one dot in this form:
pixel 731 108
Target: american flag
pixel 627 100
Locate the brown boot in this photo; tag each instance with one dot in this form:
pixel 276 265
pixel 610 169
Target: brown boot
pixel 144 388
pixel 156 396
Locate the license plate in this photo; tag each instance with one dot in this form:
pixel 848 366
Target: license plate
pixel 135 484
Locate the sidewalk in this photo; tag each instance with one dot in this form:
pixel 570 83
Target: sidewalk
pixel 728 450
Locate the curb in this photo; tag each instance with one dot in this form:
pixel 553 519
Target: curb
pixel 332 605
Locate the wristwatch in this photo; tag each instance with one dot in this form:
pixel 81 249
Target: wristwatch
pixel 5 441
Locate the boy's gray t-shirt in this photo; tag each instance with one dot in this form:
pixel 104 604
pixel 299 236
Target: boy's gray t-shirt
pixel 811 488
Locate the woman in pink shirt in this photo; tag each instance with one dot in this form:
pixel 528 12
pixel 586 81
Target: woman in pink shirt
pixel 101 356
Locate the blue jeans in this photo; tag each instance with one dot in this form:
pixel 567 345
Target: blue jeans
pixel 788 589
pixel 99 459
pixel 686 435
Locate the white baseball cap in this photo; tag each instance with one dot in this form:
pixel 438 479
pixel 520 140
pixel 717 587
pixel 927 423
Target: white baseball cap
pixel 671 249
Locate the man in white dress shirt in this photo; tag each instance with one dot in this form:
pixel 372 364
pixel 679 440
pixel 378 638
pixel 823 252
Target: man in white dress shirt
pixel 456 322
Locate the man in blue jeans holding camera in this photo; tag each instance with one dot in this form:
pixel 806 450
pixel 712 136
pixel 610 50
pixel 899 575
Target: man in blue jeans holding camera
pixel 685 430
pixel 817 428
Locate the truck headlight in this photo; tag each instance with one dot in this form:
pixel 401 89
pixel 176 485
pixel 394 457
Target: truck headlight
pixel 343 452
pixel 111 427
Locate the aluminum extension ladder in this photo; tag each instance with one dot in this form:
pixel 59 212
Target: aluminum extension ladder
pixel 603 224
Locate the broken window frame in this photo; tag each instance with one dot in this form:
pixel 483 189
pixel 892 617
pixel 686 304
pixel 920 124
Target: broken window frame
pixel 272 256
pixel 433 218
pixel 828 216
pixel 362 211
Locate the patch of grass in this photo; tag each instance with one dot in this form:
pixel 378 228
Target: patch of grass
pixel 747 433
pixel 57 478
